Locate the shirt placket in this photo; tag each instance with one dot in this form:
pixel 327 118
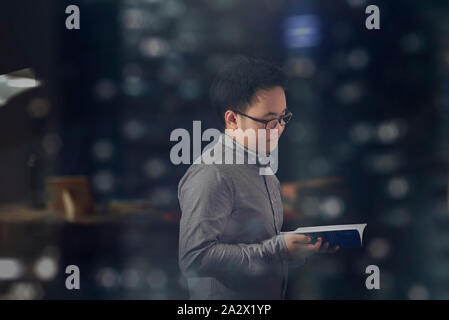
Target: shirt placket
pixel 271 198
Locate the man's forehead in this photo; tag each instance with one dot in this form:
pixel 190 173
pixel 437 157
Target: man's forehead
pixel 272 113
pixel 269 103
pixel 264 110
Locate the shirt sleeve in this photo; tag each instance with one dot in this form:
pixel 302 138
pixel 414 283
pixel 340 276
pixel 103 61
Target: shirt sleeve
pixel 206 199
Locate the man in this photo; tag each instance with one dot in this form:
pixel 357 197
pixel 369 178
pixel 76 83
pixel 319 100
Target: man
pixel 230 246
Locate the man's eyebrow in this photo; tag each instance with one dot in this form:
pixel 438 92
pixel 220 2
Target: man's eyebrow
pixel 273 113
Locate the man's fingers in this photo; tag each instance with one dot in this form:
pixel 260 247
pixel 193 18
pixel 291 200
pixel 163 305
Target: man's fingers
pixel 334 249
pixel 325 247
pixel 301 238
pixel 316 246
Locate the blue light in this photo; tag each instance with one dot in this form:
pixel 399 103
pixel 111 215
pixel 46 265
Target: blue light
pixel 302 31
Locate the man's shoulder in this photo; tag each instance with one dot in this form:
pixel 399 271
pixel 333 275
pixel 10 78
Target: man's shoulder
pixel 200 173
pixel 210 162
pixel 204 170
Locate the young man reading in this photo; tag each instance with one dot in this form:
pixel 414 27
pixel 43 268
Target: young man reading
pixel 230 246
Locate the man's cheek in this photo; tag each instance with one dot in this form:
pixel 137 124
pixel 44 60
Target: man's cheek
pixel 280 131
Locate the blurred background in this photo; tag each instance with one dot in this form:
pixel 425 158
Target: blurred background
pixel 86 116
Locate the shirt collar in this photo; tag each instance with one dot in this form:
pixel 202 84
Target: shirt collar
pixel 242 151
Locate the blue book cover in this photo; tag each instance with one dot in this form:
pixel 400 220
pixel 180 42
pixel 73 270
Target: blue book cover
pixel 345 235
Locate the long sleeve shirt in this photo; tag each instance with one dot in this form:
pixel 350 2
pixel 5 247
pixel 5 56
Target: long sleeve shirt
pixel 230 246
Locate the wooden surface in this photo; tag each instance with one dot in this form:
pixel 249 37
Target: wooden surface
pixel 112 212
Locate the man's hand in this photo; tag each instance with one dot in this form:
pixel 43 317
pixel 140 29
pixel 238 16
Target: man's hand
pixel 299 246
pixel 325 247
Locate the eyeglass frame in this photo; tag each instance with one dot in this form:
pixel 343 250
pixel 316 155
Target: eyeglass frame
pixel 265 122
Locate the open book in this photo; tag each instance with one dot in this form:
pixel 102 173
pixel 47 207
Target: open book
pixel 345 235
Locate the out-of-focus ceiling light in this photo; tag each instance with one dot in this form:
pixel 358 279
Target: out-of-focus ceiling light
pixel 22 83
pixel 16 82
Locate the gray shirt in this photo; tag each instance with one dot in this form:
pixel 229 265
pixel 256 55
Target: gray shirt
pixel 230 245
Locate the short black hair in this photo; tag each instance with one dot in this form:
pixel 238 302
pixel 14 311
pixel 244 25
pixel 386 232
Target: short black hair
pixel 236 83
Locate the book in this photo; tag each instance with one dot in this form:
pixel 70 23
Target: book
pixel 345 235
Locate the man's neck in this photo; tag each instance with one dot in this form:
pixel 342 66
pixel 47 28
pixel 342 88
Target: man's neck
pixel 244 146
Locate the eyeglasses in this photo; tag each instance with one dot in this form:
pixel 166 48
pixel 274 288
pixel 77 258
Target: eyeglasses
pixel 272 123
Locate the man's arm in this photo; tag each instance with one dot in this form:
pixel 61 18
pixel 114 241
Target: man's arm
pixel 206 198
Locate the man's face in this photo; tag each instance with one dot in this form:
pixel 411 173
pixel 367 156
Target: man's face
pixel 266 105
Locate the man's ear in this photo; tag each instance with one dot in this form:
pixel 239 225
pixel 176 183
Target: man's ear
pixel 230 118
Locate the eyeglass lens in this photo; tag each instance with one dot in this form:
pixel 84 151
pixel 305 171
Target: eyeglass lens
pixel 274 123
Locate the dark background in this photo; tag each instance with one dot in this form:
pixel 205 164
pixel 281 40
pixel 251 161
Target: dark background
pixel 370 110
